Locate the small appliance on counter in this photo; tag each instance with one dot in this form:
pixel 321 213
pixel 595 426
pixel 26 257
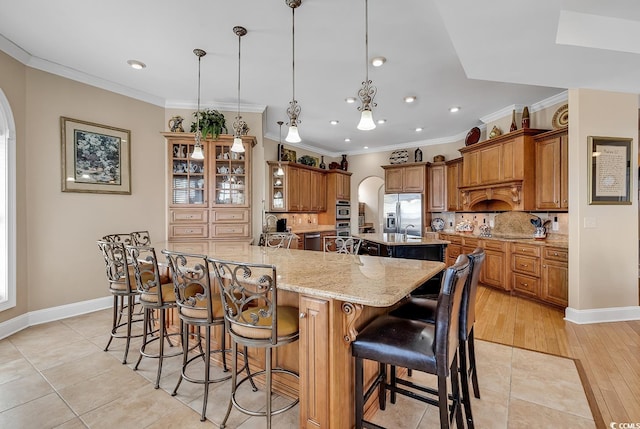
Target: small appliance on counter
pixel 281 225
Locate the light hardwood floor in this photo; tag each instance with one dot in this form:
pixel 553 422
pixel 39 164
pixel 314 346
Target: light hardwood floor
pixel 608 352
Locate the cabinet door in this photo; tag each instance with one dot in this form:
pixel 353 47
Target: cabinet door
pixel 548 174
pixel 489 159
pixel 318 190
pixel 564 171
pixel 393 180
pixel 454 171
pixel 437 188
pixel 314 362
pixel 293 189
pixel 278 189
pixel 471 169
pixel 188 184
pixel 304 183
pixel 413 178
pixel 555 283
pixel 493 270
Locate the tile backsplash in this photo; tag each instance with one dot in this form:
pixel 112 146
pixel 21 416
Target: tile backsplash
pixel 451 219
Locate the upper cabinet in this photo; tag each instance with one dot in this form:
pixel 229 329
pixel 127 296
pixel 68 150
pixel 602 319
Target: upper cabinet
pixel 299 188
pixel 406 178
pixel 552 170
pixel 437 187
pixel 454 180
pixel 208 198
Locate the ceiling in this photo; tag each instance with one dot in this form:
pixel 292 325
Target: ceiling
pixel 484 57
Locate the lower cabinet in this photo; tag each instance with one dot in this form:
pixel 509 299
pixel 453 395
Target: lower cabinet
pixel 495 271
pixel 555 276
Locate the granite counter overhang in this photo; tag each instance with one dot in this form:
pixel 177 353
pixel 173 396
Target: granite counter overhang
pixel 392 239
pixel 556 241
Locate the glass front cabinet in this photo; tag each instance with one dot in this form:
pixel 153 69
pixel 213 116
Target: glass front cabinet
pixel 208 198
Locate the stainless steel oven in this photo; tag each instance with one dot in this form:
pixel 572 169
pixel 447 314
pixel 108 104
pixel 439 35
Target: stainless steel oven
pixel 343 209
pixel 343 228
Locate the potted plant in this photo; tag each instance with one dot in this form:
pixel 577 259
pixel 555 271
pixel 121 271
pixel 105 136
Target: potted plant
pixel 212 123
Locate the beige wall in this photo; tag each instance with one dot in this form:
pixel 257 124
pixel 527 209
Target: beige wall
pixel 603 261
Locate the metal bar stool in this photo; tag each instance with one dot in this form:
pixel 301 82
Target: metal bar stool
pixel 425 310
pixel 253 318
pixel 156 294
pixel 426 347
pixel 341 244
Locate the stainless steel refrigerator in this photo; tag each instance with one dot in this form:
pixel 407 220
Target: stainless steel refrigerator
pixel 402 210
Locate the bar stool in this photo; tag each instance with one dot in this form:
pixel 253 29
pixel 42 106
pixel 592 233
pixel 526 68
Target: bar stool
pixel 253 318
pixel 341 244
pixel 199 305
pixel 278 239
pixel 156 294
pixel 412 344
pixel 425 310
pixel 140 238
pixel 122 288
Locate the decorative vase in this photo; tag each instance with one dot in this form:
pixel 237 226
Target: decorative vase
pixel 525 117
pixel 418 155
pixel 513 121
pixel 344 164
pixel 322 164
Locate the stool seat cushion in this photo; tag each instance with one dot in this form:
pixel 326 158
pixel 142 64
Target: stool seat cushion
pixel 199 311
pixel 402 342
pixel 288 323
pixel 422 309
pixel 168 294
pixel 121 286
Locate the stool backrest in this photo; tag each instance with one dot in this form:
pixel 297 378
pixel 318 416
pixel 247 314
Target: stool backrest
pixel 448 314
pixel 250 300
pixel 116 264
pixel 468 307
pixel 118 238
pixel 191 275
pixel 147 274
pixel 278 239
pixel 140 238
pixel 341 244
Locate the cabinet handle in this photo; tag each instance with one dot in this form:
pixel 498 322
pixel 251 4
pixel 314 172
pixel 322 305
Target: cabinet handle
pixel 524 265
pixel 555 253
pixel 303 315
pixel 524 284
pixel 544 266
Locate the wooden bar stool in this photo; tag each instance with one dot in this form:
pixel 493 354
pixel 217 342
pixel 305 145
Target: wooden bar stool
pixel 416 345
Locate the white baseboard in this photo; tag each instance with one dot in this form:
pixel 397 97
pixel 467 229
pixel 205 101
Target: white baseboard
pixel 37 317
pixel 601 315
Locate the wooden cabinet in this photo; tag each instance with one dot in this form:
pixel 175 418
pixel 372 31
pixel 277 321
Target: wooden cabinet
pixel 208 198
pixel 405 178
pixel 437 187
pixel 339 184
pixel 552 170
pixel 298 189
pixel 453 181
pixel 525 269
pixel 495 270
pixel 454 249
pixel 555 276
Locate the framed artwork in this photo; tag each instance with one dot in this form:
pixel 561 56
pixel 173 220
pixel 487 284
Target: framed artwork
pixel 609 170
pixel 286 154
pixel 95 158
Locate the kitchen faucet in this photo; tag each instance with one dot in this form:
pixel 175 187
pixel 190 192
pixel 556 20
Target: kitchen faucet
pixel 406 229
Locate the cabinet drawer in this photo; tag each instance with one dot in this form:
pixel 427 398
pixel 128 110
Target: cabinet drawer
pixel 526 284
pixel 499 246
pixel 526 264
pixel 525 249
pixel 188 216
pixel 189 231
pixel 470 242
pixel 453 250
pixel 230 230
pixel 231 215
pixel 556 254
pixel 454 239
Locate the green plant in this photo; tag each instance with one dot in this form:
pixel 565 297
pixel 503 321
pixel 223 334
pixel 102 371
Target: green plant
pixel 212 123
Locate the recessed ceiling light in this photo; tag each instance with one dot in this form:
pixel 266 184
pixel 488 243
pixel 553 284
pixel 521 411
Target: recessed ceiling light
pixel 366 147
pixel 418 129
pixel 347 139
pixel 382 121
pixel 350 100
pixel 454 109
pixel 410 99
pixel 135 64
pixel 333 122
pixel 378 61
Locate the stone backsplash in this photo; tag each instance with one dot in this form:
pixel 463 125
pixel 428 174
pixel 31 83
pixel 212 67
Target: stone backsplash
pixel 451 219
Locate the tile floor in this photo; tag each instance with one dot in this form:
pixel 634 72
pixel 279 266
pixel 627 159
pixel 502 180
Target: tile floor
pixel 56 375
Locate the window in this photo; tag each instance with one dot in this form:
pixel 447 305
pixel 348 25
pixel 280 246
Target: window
pixel 7 206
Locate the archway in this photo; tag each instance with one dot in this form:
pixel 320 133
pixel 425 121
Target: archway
pixel 370 192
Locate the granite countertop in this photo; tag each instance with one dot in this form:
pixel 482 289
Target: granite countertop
pixel 392 239
pixel 359 279
pixel 552 240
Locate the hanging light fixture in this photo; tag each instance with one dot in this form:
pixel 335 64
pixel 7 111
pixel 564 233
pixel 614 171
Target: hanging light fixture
pixel 238 124
pixel 368 92
pixel 293 111
pixel 280 171
pixel 197 149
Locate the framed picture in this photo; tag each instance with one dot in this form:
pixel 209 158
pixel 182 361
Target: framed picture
pixel 610 170
pixel 95 158
pixel 286 154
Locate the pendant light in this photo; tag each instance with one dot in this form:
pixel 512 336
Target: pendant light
pixel 197 150
pixel 368 92
pixel 280 171
pixel 239 124
pixel 293 111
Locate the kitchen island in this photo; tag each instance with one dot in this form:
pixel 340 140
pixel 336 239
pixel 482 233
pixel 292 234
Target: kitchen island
pixel 336 295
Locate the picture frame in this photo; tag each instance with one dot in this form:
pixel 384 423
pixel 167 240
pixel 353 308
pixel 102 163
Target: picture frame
pixel 609 170
pixel 95 158
pixel 286 154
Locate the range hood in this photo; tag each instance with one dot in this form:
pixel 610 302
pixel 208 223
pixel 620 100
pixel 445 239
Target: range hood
pixel 496 197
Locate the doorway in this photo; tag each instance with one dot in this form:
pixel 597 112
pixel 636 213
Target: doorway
pixel 370 192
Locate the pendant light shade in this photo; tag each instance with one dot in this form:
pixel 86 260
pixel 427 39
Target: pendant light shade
pixel 238 124
pixel 293 111
pixel 367 93
pixel 197 149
